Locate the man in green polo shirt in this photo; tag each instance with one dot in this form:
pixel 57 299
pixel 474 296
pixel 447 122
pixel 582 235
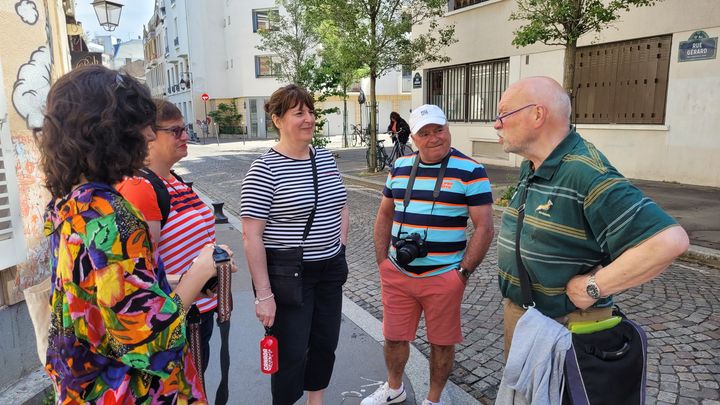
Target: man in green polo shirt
pixel 588 232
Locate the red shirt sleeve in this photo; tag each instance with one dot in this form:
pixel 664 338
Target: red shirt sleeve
pixel 140 193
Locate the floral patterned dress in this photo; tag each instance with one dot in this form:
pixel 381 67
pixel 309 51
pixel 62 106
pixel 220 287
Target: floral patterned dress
pixel 117 333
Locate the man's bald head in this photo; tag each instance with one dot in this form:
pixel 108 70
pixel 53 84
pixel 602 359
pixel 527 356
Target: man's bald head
pixel 546 92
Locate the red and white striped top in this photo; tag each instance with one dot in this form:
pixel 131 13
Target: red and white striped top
pixel 189 227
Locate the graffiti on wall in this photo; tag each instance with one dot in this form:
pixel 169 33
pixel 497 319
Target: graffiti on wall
pixel 32 60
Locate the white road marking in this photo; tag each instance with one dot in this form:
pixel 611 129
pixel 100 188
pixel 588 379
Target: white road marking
pixel 701 271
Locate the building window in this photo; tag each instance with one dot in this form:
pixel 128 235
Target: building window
pixel 406 79
pixel 622 82
pixel 262 19
pixel 469 92
pixel 458 4
pixel 265 66
pixel 11 243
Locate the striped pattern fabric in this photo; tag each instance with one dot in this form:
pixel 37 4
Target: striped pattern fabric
pixel 443 226
pixel 190 226
pixel 580 212
pixel 279 190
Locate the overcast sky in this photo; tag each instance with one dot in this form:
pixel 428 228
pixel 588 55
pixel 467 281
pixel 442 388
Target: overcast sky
pixel 134 14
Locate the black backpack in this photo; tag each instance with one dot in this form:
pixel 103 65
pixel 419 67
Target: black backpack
pixel 163 196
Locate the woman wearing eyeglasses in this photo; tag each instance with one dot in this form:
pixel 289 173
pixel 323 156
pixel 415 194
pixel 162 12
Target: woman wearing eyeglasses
pixel 181 228
pixel 117 332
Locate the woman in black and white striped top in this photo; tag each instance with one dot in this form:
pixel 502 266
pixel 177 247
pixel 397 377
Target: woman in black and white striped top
pixel 277 199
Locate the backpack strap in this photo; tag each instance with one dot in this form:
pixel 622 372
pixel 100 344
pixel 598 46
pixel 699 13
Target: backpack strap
pixel 161 193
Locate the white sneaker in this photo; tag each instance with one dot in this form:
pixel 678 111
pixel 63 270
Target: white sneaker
pixel 384 396
pixel 428 402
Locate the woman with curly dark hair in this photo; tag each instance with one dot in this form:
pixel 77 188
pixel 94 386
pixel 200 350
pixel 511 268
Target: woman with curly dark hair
pixel 116 330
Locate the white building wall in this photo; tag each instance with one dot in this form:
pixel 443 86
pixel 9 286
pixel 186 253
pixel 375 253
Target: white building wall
pixel 684 149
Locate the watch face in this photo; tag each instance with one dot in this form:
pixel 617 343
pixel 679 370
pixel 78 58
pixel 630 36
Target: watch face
pixel 593 291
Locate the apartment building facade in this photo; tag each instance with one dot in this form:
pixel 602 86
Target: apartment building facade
pixel 642 96
pixel 216 54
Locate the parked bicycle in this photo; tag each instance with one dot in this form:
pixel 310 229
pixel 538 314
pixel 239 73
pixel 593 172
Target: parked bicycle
pixel 382 159
pixel 399 149
pixel 359 136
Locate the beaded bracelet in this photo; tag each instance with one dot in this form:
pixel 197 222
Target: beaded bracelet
pixel 259 300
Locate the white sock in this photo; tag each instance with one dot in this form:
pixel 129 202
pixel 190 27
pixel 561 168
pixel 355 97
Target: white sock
pixel 394 391
pixel 429 402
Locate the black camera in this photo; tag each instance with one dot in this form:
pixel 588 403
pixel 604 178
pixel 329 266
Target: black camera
pixel 410 248
pixel 220 256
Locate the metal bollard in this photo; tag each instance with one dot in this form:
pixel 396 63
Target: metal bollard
pixel 220 218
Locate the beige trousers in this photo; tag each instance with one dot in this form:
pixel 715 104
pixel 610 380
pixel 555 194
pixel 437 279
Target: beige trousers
pixel 512 312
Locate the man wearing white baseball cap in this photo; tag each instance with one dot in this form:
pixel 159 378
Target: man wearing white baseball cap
pixel 427 200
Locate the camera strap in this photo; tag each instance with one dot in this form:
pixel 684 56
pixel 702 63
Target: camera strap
pixel 411 184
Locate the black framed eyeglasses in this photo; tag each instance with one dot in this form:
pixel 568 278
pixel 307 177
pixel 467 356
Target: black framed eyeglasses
pixel 177 131
pixel 500 117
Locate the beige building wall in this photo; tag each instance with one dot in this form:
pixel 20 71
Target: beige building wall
pixel 684 149
pixel 27 68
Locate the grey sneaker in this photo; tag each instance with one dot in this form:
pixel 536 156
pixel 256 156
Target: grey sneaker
pixel 384 396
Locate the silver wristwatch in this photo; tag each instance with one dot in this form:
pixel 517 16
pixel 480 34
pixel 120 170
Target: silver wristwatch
pixel 592 288
pixel 465 272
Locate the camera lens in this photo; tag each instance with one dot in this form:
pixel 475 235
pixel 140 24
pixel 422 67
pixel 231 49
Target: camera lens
pixel 407 253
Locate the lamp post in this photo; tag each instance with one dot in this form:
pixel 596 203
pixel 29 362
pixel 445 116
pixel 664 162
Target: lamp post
pixel 108 13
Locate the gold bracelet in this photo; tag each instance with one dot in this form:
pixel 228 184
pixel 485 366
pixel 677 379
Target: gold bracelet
pixel 259 300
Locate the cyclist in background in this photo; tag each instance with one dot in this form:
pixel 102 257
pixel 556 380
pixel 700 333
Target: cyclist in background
pixel 399 129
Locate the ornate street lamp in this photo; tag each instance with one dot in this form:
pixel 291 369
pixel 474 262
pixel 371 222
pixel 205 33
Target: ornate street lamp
pixel 108 13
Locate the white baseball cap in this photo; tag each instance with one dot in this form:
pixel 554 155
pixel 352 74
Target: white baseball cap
pixel 426 114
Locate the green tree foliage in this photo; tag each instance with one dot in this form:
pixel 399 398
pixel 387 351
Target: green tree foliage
pixel 293 42
pixel 377 34
pixel 562 22
pixel 227 118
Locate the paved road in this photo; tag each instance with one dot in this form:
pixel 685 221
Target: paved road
pixel 680 310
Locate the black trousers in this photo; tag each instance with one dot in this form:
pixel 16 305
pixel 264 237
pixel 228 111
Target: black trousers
pixel 308 335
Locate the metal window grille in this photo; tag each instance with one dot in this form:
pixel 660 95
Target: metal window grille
pixel 622 82
pixel 469 92
pixel 487 82
pixel 448 90
pixel 458 4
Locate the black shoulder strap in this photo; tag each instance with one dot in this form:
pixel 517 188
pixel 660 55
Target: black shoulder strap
pixel 306 232
pixel 161 193
pixel 177 176
pixel 525 286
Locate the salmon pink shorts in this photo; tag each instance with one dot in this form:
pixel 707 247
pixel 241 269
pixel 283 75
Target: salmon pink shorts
pixel 404 298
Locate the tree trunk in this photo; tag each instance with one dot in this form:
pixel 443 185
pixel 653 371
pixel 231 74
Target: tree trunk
pixel 345 119
pixel 569 71
pixel 372 166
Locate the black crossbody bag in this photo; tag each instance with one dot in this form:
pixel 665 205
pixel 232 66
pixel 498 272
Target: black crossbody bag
pixel 285 266
pixel 604 367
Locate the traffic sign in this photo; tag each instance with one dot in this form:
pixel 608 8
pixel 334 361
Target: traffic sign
pixel 205 97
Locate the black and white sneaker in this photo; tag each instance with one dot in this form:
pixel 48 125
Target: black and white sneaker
pixel 384 395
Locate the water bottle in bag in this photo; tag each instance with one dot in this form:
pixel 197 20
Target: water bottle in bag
pixel 268 353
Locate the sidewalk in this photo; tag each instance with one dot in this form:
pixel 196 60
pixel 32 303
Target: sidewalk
pixel 359 366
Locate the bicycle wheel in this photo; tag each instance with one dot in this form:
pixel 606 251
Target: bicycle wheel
pixel 382 158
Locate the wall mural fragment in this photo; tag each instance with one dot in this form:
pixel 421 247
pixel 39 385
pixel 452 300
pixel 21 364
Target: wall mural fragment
pixel 32 86
pixel 27 10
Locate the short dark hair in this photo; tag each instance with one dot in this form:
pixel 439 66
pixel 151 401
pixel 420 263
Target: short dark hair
pixel 166 111
pixel 394 116
pixel 93 127
pixel 286 98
